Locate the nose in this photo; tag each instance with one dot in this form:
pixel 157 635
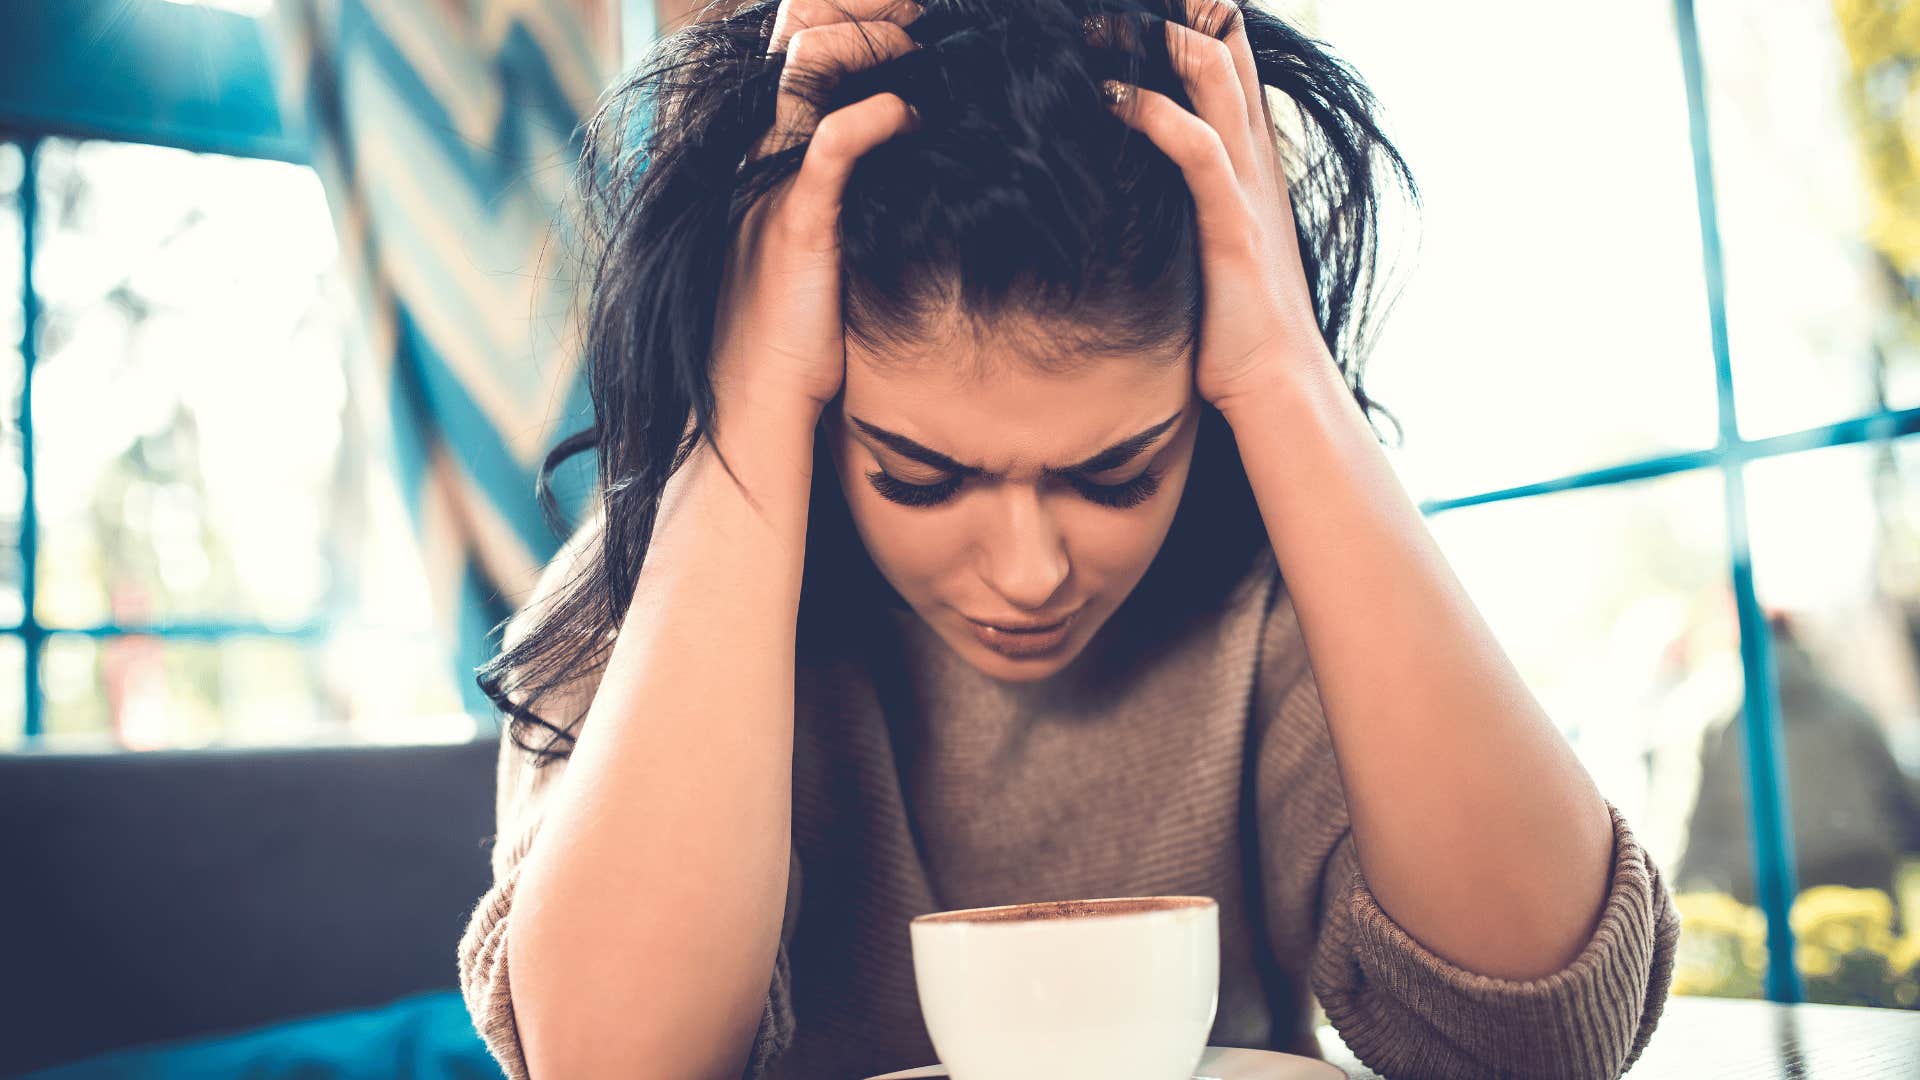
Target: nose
pixel 1025 552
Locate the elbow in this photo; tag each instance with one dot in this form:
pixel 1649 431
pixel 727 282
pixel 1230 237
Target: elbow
pixel 549 1017
pixel 574 1015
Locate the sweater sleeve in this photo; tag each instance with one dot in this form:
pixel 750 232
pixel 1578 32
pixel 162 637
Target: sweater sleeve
pixel 1404 1011
pixel 521 796
pixel 482 954
pixel 1400 1008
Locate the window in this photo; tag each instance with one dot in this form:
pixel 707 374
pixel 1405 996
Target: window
pixel 1659 370
pixel 214 551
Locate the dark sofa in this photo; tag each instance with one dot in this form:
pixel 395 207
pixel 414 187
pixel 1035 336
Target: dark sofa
pixel 160 895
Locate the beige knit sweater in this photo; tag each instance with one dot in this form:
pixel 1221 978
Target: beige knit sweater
pixel 1202 766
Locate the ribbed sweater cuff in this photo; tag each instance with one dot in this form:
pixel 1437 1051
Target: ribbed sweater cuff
pixel 1589 1019
pixel 482 965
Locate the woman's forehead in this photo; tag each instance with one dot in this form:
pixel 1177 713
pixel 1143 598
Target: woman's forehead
pixel 952 348
pixel 994 414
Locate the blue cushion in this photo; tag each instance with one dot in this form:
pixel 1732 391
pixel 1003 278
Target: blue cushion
pixel 424 1036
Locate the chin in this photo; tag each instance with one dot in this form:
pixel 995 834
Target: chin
pixel 1007 669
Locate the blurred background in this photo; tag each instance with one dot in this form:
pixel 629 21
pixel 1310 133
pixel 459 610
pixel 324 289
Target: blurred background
pixel 284 332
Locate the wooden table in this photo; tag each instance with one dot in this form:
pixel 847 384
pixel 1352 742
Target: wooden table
pixel 1701 1038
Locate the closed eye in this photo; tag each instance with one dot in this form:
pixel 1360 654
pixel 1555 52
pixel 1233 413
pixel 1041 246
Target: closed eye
pixel 894 489
pixel 1119 496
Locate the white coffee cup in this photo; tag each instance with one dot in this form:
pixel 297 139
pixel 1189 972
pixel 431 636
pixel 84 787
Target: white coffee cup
pixel 1118 988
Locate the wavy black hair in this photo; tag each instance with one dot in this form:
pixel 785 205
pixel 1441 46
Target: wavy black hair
pixel 1019 194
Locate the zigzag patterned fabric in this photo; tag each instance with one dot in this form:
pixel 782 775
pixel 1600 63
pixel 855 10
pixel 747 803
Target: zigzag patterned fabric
pixel 445 134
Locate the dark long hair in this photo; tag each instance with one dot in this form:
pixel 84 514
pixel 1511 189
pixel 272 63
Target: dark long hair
pixel 1020 193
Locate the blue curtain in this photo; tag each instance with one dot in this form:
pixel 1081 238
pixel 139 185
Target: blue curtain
pixel 445 134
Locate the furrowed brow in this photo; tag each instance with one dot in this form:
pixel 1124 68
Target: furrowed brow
pixel 1111 458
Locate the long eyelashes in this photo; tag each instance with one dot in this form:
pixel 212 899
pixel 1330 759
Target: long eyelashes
pixel 1119 496
pixel 896 490
pixel 1123 496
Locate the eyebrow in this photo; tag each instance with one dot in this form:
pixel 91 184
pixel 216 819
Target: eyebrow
pixel 1111 458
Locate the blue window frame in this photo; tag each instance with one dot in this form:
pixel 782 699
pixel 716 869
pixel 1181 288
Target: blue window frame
pixel 46 89
pixel 50 85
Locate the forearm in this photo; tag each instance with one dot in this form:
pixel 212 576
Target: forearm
pixel 649 912
pixel 1477 827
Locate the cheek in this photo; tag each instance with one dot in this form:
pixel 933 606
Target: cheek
pixel 1112 545
pixel 1135 536
pixel 904 544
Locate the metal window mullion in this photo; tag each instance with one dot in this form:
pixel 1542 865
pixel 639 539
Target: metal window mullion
pixel 31 634
pixel 311 631
pixel 1771 832
pixel 1880 427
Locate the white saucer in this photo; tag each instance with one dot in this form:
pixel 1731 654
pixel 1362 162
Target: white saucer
pixel 1218 1063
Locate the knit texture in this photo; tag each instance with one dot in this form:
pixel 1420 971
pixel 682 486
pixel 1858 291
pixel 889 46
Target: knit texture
pixel 1196 763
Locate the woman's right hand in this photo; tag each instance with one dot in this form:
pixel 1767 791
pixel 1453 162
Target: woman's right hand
pixel 778 328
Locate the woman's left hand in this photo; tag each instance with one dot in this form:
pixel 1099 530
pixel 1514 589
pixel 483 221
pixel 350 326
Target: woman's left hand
pixel 1258 319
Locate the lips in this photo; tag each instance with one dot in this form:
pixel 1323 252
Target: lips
pixel 1039 641
pixel 1018 626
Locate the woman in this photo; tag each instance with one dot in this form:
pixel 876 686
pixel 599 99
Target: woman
pixel 1073 359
